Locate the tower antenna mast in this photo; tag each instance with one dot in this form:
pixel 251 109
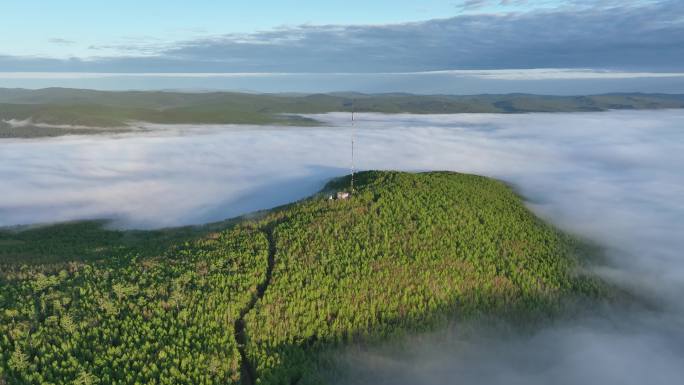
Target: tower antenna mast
pixel 353 128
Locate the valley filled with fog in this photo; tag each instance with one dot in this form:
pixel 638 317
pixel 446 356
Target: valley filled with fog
pixel 613 177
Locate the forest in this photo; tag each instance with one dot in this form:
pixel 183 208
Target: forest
pixel 61 111
pixel 263 299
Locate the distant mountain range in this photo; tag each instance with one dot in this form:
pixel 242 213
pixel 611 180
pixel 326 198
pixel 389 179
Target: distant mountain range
pixel 24 111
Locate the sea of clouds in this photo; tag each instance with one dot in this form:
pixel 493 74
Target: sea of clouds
pixel 612 177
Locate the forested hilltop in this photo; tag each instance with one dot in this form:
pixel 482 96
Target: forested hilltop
pixel 259 299
pixel 60 111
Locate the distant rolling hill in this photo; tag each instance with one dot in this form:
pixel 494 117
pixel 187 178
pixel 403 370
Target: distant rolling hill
pixel 34 110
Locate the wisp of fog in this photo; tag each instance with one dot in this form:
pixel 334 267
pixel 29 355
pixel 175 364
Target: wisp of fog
pixel 612 177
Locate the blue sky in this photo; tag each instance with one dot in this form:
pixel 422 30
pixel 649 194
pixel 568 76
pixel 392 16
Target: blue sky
pixel 352 36
pixel 85 23
pixel 86 28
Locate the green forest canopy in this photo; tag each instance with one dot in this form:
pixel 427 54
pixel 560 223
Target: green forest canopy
pixel 257 300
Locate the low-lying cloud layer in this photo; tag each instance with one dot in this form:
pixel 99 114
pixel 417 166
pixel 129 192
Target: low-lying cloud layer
pixel 16 123
pixel 537 81
pixel 547 81
pixel 624 348
pixel 613 177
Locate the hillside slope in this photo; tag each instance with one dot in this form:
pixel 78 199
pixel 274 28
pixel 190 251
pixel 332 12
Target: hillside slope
pixel 257 301
pixel 28 113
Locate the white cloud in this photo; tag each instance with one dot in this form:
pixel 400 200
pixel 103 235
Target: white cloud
pixel 16 123
pixel 553 74
pixel 579 35
pixel 501 74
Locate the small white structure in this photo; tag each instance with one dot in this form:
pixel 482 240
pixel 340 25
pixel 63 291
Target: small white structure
pixel 343 195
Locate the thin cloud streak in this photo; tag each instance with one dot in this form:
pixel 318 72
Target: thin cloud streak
pixel 500 74
pixel 459 82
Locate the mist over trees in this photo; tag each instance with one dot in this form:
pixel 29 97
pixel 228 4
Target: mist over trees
pixel 257 301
